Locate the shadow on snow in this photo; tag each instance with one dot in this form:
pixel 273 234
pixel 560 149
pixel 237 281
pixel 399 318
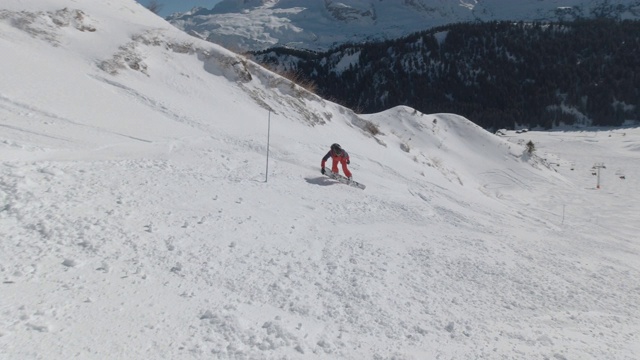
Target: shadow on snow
pixel 322 181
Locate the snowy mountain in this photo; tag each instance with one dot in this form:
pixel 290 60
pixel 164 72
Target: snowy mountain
pixel 499 74
pixel 138 219
pixel 320 24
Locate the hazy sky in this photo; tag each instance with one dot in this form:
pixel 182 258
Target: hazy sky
pixel 171 6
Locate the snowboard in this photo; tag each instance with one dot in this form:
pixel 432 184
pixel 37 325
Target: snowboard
pixel 343 179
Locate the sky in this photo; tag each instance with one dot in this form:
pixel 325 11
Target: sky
pixel 161 197
pixel 172 6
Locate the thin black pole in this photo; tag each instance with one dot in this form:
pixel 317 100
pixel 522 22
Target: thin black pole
pixel 266 174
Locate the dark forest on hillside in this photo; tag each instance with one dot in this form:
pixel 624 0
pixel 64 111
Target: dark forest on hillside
pixel 497 74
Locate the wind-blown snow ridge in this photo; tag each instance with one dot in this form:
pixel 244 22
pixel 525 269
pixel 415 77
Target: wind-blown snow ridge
pixel 138 219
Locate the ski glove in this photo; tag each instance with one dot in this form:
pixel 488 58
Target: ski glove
pixel 322 171
pixel 348 162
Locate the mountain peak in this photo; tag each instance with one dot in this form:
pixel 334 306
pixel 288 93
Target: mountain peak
pixel 320 24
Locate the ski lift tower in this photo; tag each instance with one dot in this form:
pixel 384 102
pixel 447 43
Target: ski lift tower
pixel 597 167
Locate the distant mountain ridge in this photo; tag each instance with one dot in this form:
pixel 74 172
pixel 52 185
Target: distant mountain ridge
pixel 251 25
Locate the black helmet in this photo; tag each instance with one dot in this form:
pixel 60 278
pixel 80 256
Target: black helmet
pixel 336 149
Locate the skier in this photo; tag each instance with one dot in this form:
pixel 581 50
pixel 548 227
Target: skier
pixel 338 155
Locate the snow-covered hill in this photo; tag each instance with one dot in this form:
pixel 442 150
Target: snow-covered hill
pixel 137 220
pixel 321 24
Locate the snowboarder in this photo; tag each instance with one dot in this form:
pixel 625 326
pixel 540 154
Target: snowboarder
pixel 338 155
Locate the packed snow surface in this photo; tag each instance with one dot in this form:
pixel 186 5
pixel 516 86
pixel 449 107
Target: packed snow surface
pixel 140 219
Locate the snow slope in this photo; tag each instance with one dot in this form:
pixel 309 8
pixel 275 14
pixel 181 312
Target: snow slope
pixel 322 24
pixel 137 220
